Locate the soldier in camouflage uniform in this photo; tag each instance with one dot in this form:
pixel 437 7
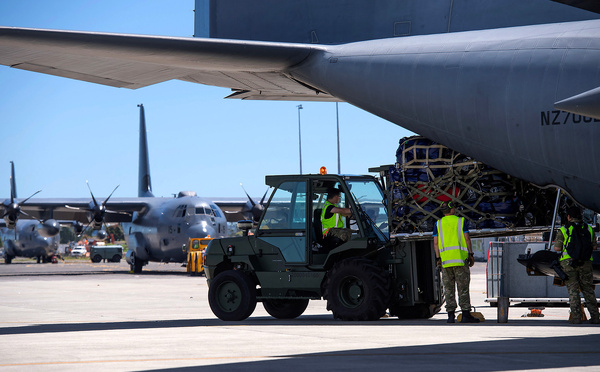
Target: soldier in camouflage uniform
pixel 453 251
pixel 579 277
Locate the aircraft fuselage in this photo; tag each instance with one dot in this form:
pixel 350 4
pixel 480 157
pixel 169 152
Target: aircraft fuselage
pixel 488 94
pixel 159 233
pixel 29 243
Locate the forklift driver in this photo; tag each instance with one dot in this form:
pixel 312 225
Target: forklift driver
pixel 333 224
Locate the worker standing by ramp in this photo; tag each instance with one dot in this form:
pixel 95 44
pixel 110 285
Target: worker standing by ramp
pixel 452 247
pixel 576 241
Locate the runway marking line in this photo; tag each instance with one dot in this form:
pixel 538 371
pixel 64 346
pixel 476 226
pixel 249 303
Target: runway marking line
pixel 338 354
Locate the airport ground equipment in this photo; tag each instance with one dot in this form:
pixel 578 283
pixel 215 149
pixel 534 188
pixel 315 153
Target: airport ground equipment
pixel 195 252
pixel 287 262
pixel 112 253
pixel 508 281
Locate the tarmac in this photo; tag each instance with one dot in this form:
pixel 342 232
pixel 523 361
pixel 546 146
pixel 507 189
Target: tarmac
pixel 95 317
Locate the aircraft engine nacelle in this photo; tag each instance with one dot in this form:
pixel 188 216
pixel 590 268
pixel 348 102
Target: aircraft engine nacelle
pixel 101 234
pixel 96 220
pixel 49 228
pixel 78 227
pixel 11 221
pixel 11 215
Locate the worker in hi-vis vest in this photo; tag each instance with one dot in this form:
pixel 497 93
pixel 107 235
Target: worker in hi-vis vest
pixel 454 253
pixel 332 217
pixel 580 273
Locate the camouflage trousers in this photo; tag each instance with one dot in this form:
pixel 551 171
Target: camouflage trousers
pixel 461 276
pixel 580 277
pixel 340 233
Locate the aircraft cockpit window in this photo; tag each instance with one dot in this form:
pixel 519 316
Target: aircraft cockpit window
pixel 215 210
pixel 208 211
pixel 180 211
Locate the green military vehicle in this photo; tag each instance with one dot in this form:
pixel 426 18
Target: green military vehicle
pixel 112 253
pixel 287 262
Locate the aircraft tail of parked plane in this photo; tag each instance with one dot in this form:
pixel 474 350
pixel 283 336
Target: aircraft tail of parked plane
pixel 144 183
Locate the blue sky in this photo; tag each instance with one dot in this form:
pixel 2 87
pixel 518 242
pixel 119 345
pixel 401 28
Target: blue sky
pixel 62 132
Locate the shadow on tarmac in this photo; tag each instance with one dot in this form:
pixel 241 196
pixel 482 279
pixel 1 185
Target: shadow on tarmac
pixel 519 353
pixel 316 320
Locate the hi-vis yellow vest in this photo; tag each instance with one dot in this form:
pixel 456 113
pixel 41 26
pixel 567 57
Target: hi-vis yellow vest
pixel 333 221
pixel 567 240
pixel 451 241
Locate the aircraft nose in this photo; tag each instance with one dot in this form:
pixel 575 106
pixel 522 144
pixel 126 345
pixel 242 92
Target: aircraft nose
pixel 199 231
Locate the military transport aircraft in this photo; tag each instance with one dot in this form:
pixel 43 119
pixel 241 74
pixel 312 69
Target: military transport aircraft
pixel 26 238
pixel 514 84
pixel 156 228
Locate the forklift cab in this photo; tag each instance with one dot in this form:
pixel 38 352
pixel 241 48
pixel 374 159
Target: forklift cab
pixel 292 219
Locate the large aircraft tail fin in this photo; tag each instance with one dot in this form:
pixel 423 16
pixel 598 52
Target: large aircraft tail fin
pixel 13 182
pixel 343 21
pixel 144 183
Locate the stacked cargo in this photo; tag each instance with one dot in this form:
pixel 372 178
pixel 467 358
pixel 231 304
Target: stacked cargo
pixel 427 174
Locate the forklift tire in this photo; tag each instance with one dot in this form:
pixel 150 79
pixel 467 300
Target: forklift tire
pixel 357 289
pixel 285 309
pixel 232 296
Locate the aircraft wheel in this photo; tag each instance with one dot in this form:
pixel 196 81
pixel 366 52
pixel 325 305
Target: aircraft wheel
pixel 285 309
pixel 232 296
pixel 357 289
pixel 97 258
pixel 137 265
pixel 116 258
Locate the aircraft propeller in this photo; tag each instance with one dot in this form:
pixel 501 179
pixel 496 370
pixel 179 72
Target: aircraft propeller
pixel 256 210
pixel 12 209
pixel 96 213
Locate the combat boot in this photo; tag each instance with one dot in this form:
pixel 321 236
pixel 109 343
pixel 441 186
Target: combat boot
pixel 450 317
pixel 468 318
pixel 575 318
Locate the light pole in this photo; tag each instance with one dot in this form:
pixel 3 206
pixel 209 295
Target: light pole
pixel 337 115
pixel 299 137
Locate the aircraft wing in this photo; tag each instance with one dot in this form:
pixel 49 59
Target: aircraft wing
pixel 254 70
pixel 76 209
pixel 235 209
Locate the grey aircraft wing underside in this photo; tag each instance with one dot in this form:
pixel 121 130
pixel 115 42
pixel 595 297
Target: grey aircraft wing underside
pixel 235 209
pixel 76 209
pixel 117 209
pixel 255 70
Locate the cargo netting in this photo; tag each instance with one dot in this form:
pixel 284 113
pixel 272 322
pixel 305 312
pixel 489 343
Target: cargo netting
pixel 428 173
